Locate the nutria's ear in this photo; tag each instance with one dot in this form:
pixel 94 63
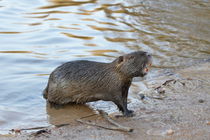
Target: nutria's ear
pixel 120 59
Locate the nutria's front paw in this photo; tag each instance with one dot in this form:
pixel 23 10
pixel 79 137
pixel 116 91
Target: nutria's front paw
pixel 129 113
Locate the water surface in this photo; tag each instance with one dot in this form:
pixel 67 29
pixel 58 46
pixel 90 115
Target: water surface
pixel 37 36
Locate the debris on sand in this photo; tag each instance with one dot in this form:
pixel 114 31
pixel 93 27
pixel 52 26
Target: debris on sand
pixel 116 126
pixel 169 132
pixel 41 132
pixel 201 101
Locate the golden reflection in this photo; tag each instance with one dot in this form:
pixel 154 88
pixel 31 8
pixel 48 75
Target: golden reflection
pixel 39 53
pixel 109 29
pixel 78 37
pixel 23 52
pixel 63 3
pixel 82 13
pixel 118 39
pixel 90 44
pixel 11 32
pixel 102 52
pixel 53 19
pixel 55 12
pixel 49 12
pixel 106 23
pixel 16 52
pixel 205 51
pixel 75 24
pixel 35 24
pixel 44 16
pixel 88 19
pixel 64 27
pixel 122 10
pixel 95 10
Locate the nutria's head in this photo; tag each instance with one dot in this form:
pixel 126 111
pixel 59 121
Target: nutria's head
pixel 134 64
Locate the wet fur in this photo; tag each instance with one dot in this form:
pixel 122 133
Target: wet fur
pixel 86 81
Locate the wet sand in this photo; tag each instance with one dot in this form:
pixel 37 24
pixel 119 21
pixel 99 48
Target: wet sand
pixel 182 114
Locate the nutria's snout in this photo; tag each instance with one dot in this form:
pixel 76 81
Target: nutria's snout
pixel 148 64
pixel 148 54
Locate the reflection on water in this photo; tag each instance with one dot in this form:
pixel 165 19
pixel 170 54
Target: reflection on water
pixel 68 113
pixel 37 36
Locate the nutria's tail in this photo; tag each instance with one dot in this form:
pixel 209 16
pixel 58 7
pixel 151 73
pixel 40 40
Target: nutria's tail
pixel 45 92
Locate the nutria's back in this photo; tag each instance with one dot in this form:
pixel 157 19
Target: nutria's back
pixel 81 81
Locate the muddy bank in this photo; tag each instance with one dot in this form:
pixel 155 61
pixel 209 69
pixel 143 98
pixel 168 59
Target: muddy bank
pixel 180 112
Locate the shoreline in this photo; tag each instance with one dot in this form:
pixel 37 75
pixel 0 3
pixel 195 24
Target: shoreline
pixel 183 113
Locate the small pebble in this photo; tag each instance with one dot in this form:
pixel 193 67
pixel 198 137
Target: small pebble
pixel 16 131
pixel 161 90
pixel 170 132
pixel 208 123
pixel 40 132
pixel 201 101
pixel 142 96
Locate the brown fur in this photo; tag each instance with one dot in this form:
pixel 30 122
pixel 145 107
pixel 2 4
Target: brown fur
pixel 86 81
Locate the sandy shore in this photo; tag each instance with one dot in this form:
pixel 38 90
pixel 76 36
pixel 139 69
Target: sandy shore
pixel 182 112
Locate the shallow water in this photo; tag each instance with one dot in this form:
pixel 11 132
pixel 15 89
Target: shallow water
pixel 37 36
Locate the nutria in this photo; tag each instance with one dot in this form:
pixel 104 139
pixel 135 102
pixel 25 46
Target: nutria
pixel 86 81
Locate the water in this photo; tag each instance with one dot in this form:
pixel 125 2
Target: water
pixel 37 36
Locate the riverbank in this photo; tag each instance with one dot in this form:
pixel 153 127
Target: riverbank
pixel 175 107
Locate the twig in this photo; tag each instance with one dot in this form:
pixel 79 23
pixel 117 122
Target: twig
pixel 88 116
pixel 157 88
pixel 165 84
pixel 168 81
pixel 155 97
pixel 106 117
pixel 40 132
pixel 61 125
pixel 123 128
pixel 35 128
pixel 101 126
pixel 32 128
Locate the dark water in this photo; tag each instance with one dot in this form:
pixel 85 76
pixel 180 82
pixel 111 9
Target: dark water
pixel 37 36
